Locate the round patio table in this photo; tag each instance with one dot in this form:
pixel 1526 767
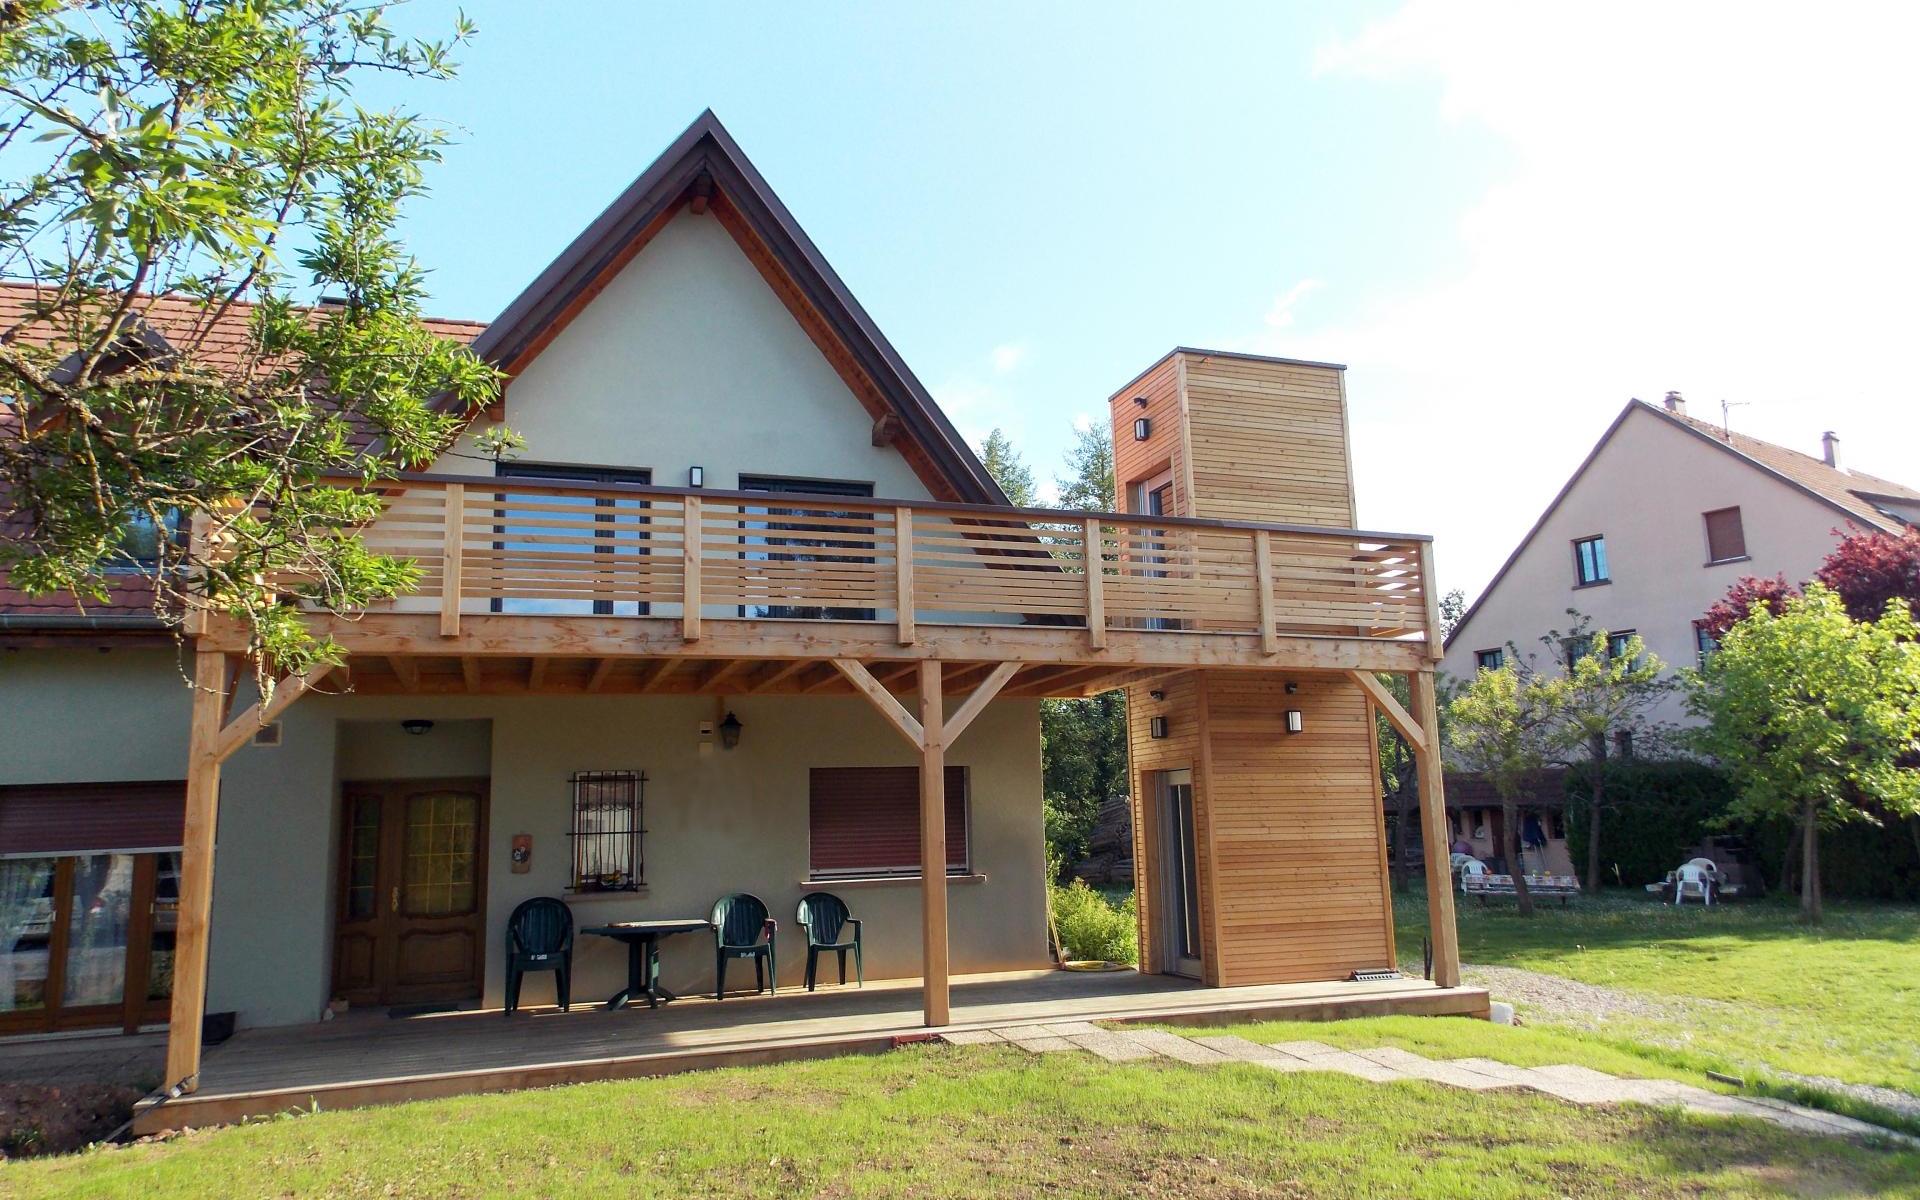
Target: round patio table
pixel 643 955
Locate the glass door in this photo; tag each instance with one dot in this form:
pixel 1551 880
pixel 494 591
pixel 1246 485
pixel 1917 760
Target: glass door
pixel 1179 876
pixel 86 940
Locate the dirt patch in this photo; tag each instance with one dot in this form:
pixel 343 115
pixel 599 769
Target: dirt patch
pixel 44 1119
pixel 1563 1001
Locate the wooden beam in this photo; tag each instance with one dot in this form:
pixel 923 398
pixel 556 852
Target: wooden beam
pixel 1093 558
pixel 785 672
pixel 656 672
pixel 691 537
pixel 453 520
pixel 700 195
pixel 470 672
pixel 189 1004
pixel 724 671
pixel 887 428
pixel 893 676
pixel 895 712
pixel 978 701
pixel 1263 579
pixel 933 847
pixel 903 573
pixel 1436 646
pixel 602 668
pixel 405 670
pixel 240 730
pixel 1398 717
pixel 536 672
pixel 1434 834
pixel 833 675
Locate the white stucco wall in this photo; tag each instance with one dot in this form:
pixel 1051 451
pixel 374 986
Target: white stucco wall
pixel 688 358
pixel 1647 491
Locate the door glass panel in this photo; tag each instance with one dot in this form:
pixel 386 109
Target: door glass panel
pixel 26 928
pixel 1189 873
pixel 97 929
pixel 363 858
pixel 437 871
pixel 166 916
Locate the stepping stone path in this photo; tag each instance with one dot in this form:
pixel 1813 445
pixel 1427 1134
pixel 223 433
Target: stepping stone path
pixel 1386 1064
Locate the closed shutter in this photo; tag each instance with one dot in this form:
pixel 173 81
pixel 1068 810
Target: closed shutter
pixel 74 818
pixel 866 820
pixel 1726 536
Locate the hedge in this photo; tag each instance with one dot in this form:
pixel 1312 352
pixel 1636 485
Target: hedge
pixel 1656 811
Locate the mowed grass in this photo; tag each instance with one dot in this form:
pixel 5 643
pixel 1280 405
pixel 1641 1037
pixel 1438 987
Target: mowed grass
pixel 937 1121
pixel 1742 986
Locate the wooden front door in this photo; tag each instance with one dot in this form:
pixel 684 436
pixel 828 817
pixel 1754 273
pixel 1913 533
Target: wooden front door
pixel 412 917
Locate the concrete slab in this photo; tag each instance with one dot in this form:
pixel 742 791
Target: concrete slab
pixel 1067 1029
pixel 971 1037
pixel 1043 1045
pixel 1413 1065
pixel 1111 1046
pixel 1174 1046
pixel 1242 1050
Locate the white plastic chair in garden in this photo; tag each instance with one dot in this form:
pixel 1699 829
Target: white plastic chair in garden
pixel 1693 879
pixel 1472 867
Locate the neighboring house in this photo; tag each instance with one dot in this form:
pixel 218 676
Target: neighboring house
pixel 1665 514
pixel 674 651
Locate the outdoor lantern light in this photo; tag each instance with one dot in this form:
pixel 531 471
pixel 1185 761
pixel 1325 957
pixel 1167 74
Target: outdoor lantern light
pixel 696 477
pixel 730 731
pixel 1142 426
pixel 1157 694
pixel 416 726
pixel 1296 721
pixel 1156 727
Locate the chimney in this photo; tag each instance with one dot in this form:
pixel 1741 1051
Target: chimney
pixel 1830 449
pixel 1676 405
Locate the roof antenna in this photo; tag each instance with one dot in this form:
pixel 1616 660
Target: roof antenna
pixel 1726 425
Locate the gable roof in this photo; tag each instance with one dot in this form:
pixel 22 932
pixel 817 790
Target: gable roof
pixel 704 170
pixel 1846 492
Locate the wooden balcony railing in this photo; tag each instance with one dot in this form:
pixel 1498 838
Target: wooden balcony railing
pixel 489 545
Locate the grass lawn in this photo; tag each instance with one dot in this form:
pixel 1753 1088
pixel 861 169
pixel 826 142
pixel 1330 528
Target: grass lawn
pixel 1739 987
pixel 969 1121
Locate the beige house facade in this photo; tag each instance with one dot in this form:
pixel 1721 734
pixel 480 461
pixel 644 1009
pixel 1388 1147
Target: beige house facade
pixel 1664 515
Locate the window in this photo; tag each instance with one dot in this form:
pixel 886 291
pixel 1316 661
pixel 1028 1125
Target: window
pixel 1490 660
pixel 1590 561
pixel 866 821
pixel 788 540
pixel 608 834
pixel 1726 537
pixel 1704 643
pixel 1617 644
pixel 141 542
pixel 1623 743
pixel 542 539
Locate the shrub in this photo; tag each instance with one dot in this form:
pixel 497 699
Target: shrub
pixel 1656 811
pixel 1092 927
pixel 1859 861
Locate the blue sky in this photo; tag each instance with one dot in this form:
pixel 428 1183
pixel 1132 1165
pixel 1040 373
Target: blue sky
pixel 1506 220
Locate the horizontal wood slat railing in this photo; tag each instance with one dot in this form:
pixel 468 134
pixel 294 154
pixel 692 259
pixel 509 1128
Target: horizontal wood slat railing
pixel 535 547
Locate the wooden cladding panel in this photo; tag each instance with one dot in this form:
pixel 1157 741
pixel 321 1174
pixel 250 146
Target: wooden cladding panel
pixel 1148 755
pixel 1296 832
pixel 1268 441
pixel 1165 449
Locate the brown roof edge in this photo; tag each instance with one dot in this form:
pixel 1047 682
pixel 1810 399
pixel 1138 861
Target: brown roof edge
pixel 707 149
pixel 1239 354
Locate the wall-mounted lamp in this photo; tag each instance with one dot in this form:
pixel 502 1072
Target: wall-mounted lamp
pixel 1142 428
pixel 696 477
pixel 1156 727
pixel 730 731
pixel 1292 687
pixel 1296 721
pixel 416 726
pixel 1157 694
pixel 1140 400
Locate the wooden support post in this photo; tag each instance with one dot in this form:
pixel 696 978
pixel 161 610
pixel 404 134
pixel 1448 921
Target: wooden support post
pixel 212 687
pixel 1402 721
pixel 452 548
pixel 690 537
pixel 903 572
pixel 1263 579
pixel 1433 832
pixel 1436 647
pixel 933 846
pixel 1093 557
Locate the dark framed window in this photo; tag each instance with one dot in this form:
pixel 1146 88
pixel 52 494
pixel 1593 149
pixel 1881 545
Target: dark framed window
pixel 1490 660
pixel 1617 643
pixel 1590 561
pixel 864 821
pixel 1623 743
pixel 609 831
pixel 1704 643
pixel 533 533
pixel 777 534
pixel 1726 536
pixel 143 540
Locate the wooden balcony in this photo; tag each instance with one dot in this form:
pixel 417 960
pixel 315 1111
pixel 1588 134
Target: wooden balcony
pixel 590 580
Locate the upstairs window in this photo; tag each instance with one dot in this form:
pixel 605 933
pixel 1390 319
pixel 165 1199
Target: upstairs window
pixel 779 535
pixel 1726 536
pixel 1617 643
pixel 570 553
pixel 142 542
pixel 1704 643
pixel 1623 743
pixel 1490 660
pixel 1590 561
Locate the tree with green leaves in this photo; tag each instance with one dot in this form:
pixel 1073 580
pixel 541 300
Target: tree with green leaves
pixel 1606 695
pixel 210 151
pixel 1500 724
pixel 1399 770
pixel 1088 483
pixel 1008 470
pixel 1815 714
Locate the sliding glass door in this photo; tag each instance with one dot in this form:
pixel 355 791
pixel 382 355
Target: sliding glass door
pixel 86 940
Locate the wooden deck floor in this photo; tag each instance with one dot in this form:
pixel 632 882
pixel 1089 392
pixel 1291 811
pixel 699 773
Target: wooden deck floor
pixel 369 1058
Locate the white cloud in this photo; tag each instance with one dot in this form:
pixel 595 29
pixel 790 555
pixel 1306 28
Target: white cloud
pixel 1008 356
pixel 1082 422
pixel 1717 199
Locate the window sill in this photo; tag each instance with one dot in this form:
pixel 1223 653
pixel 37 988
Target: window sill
pixel 1596 583
pixel 573 897
pixel 875 881
pixel 1721 562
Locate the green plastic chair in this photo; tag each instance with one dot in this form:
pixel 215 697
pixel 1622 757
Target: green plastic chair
pixel 740 921
pixel 825 918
